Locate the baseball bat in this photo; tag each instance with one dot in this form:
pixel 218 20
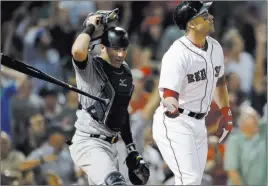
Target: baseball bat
pixel 31 71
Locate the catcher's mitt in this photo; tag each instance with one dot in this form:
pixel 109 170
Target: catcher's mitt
pixel 106 17
pixel 138 169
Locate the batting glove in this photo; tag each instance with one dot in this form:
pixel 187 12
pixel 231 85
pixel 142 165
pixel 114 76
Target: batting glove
pixel 225 124
pixel 171 107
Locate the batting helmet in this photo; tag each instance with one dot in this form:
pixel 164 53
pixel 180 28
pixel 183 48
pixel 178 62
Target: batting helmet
pixel 115 37
pixel 187 10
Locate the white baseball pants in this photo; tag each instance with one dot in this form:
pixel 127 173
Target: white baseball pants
pixel 182 142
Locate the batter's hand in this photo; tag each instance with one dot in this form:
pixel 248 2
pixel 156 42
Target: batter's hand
pixel 171 107
pixel 225 124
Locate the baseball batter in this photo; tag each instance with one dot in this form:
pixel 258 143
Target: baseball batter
pixel 98 125
pixel 192 74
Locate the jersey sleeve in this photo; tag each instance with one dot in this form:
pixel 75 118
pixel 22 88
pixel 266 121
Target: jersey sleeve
pixel 84 71
pixel 173 71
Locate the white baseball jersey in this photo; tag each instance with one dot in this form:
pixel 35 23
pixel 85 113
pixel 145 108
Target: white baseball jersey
pixel 192 72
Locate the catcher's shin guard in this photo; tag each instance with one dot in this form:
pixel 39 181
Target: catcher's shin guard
pixel 115 178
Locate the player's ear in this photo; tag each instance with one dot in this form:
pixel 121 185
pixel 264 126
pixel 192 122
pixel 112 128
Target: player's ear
pixel 103 48
pixel 191 24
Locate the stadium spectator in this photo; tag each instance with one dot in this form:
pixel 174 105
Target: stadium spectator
pixel 35 134
pixel 237 60
pixel 245 151
pixel 7 91
pixel 51 156
pixel 10 158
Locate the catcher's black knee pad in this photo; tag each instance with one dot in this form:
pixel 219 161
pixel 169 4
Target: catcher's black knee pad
pixel 115 178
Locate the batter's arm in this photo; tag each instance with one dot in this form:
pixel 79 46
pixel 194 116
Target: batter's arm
pixel 221 93
pixel 222 100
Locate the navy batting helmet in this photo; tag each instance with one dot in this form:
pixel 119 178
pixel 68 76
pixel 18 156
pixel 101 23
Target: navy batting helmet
pixel 187 10
pixel 115 37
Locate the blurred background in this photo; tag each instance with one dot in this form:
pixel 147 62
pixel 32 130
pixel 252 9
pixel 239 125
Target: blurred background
pixel 36 116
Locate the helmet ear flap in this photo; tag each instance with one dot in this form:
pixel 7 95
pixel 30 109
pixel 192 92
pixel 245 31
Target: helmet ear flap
pixel 183 14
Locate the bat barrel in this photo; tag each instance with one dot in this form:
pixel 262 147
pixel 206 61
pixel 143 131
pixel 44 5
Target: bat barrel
pixel 29 70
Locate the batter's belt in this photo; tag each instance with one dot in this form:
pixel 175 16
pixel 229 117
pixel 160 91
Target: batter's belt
pixel 193 114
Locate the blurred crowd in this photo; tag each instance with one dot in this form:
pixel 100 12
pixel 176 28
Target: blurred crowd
pixel 37 117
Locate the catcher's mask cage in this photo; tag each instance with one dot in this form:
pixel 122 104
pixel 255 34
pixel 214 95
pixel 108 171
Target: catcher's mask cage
pixel 188 10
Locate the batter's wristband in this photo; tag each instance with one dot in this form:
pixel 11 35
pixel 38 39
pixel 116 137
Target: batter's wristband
pixel 225 110
pixel 131 147
pixel 89 30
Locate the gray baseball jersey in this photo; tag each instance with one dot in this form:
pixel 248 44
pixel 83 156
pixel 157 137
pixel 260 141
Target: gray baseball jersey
pixel 86 151
pixel 89 81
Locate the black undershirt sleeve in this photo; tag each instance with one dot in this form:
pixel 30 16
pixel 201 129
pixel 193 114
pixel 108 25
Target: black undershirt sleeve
pixel 126 131
pixel 81 64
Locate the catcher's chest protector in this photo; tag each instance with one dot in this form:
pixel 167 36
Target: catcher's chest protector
pixel 118 88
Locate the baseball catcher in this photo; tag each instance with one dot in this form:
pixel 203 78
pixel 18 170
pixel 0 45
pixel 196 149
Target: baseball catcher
pixel 107 76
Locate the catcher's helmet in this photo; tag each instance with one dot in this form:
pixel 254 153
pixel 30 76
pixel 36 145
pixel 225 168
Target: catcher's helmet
pixel 115 37
pixel 187 10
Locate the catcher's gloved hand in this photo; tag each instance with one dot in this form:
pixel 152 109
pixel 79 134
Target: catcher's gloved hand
pixel 100 19
pixel 226 124
pixel 138 169
pixel 94 20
